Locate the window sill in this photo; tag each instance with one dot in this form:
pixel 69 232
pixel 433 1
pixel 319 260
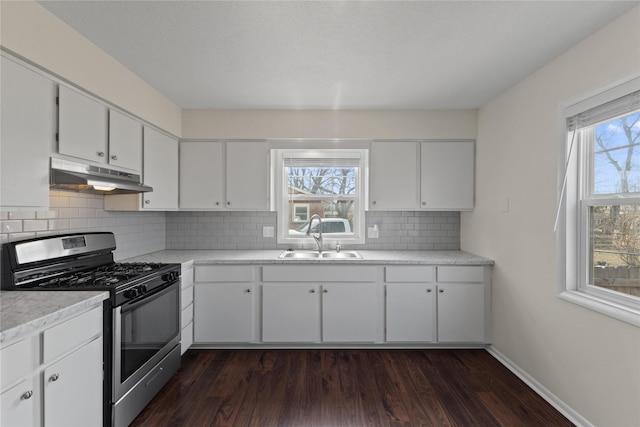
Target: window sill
pixel 608 308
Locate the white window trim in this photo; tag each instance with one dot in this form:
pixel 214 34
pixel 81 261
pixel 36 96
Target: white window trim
pixel 300 205
pixel 280 202
pixel 572 246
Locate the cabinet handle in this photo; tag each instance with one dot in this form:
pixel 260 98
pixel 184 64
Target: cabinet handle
pixel 313 291
pixel 429 290
pixel 54 378
pixel 147 202
pixel 441 290
pixel 26 395
pixel 248 291
pixel 114 157
pixel 100 153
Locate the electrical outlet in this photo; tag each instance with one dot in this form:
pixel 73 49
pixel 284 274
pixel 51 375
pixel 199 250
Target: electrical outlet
pixel 267 231
pixel 373 232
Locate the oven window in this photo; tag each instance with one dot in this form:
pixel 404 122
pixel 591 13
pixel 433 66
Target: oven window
pixel 146 328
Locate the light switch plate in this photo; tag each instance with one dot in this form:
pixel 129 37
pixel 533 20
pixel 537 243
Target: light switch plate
pixel 267 231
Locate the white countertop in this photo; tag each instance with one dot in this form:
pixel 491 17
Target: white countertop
pixel 271 257
pixel 24 312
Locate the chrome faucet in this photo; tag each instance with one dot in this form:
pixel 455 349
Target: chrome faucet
pixel 317 238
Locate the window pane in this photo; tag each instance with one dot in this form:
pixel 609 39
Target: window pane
pixel 616 158
pixel 322 180
pixel 337 217
pixel 615 248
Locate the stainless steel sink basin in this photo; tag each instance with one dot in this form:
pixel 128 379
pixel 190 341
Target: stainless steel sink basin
pixel 320 255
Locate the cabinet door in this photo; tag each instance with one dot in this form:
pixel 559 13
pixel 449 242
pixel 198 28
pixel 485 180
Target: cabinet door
pixel 349 312
pixel 201 175
pixel 411 309
pixel 461 316
pixel 160 170
pixel 290 312
pixel 247 175
pixel 27 132
pixel 394 175
pixel 223 313
pixel 82 126
pixel 18 405
pixel 447 175
pixel 125 141
pixel 73 388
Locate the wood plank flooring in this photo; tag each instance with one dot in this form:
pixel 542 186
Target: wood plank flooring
pixel 335 388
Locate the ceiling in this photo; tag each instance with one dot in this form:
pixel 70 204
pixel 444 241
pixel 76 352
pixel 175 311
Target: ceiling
pixel 335 54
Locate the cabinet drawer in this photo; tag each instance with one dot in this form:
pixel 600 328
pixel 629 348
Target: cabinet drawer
pixel 227 273
pixel 70 334
pixel 312 273
pixel 186 277
pixel 187 297
pixel 186 338
pixel 16 362
pixel 409 274
pixel 460 274
pixel 187 315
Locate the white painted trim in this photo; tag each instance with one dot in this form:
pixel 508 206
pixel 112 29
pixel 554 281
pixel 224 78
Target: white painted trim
pixel 541 390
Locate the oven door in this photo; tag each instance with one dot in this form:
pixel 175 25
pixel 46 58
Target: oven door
pixel 144 331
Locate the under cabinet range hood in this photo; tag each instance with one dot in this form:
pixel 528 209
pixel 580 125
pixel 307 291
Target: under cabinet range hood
pixel 86 178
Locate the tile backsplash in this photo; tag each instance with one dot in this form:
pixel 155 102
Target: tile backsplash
pixel 243 230
pixel 138 233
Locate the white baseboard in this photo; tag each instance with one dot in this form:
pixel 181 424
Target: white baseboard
pixel 551 398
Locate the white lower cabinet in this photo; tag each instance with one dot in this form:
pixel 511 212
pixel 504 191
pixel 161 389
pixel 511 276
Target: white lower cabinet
pixel 224 304
pixel 186 301
pixel 54 377
pixel 73 388
pixel 349 312
pixel 411 311
pixel 290 312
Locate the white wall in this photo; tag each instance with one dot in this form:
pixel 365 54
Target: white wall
pixel 588 360
pixel 388 124
pixel 31 31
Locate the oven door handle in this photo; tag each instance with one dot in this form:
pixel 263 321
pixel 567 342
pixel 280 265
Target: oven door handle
pixel 148 297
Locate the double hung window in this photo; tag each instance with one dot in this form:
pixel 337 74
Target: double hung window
pixel 602 229
pixel 328 183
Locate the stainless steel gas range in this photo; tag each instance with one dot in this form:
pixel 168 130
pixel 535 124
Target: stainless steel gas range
pixel 142 314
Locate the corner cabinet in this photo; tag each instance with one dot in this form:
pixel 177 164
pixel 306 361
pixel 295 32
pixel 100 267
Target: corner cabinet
pixel 28 117
pixel 160 171
pixel 412 175
pixel 218 175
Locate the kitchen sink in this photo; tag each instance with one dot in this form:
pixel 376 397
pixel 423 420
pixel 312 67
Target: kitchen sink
pixel 320 255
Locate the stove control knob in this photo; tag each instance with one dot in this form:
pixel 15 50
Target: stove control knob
pixel 142 289
pixel 131 293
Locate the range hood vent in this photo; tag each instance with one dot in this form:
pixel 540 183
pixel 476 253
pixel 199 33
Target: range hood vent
pixel 85 178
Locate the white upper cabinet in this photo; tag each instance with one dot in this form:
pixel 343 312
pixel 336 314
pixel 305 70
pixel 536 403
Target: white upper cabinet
pixel 447 175
pixel 82 126
pixel 160 171
pixel 217 175
pixel 248 175
pixel 394 167
pixel 27 128
pixel 201 175
pixel 125 141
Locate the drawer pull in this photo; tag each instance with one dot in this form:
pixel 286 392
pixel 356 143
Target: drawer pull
pixel 54 378
pixel 26 395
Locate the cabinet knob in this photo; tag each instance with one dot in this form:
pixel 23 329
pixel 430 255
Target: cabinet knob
pixel 228 203
pixel 326 291
pixel 26 395
pixel 217 203
pixel 374 202
pixel 54 378
pixel 313 291
pixel 248 291
pixel 100 153
pixel 441 290
pixel 147 202
pixel 114 157
pixel 424 203
pixel 429 290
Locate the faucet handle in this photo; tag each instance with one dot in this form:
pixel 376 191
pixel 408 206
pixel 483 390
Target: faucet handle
pixel 338 247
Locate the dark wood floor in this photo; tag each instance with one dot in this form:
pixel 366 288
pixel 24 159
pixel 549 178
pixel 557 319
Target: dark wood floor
pixel 346 388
